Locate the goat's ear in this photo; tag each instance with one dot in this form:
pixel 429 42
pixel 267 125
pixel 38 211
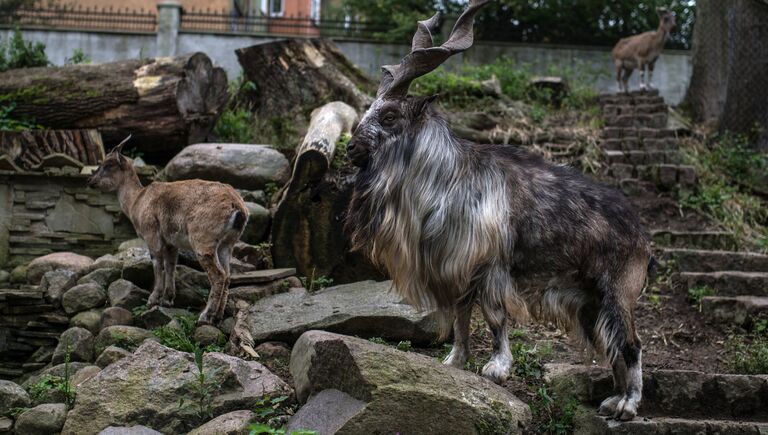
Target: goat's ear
pixel 423 103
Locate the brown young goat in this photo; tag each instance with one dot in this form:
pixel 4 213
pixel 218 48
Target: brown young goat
pixel 203 216
pixel 641 52
pixel 455 223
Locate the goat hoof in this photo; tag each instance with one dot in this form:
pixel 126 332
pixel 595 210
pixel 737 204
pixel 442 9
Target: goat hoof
pixel 608 407
pixel 166 303
pixel 626 409
pixel 496 371
pixel 205 319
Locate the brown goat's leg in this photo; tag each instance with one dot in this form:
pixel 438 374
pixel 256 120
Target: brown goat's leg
pixel 460 351
pixel 642 77
pixel 495 314
pixel 625 78
pixel 651 66
pixel 224 255
pixel 608 406
pixel 208 261
pixel 619 72
pixel 156 253
pixel 170 257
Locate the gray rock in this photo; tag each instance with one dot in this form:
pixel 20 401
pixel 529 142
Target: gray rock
pixel 80 343
pixel 84 374
pixel 19 274
pixel 258 224
pixel 129 337
pixel 192 288
pixel 111 355
pixel 83 297
pixel 207 334
pixel 5 276
pixel 404 392
pixel 12 396
pixel 139 271
pixel 103 277
pixel 243 166
pixel 107 261
pixel 60 370
pixel 231 423
pixel 116 316
pixel 55 283
pixel 257 196
pixel 160 316
pixel 326 413
pixel 47 418
pixel 365 309
pixel 125 294
pixel 59 260
pixel 131 244
pixel 146 386
pixel 273 349
pixel 133 430
pixel 90 320
pixel 6 425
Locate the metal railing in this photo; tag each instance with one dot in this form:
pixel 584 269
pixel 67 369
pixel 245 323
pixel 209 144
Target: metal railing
pixel 226 22
pixel 62 17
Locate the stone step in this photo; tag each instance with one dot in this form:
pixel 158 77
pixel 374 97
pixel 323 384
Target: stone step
pixel 663 175
pixel 260 276
pixel 656 120
pixel 737 310
pixel 699 260
pixel 642 133
pixel 695 239
pixel 671 393
pixel 642 157
pixel 634 143
pixel 726 282
pixel 587 422
pixel 633 109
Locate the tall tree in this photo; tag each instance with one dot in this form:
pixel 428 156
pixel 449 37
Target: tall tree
pixel 729 84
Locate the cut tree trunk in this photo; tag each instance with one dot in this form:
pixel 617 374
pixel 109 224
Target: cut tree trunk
pixel 36 149
pixel 308 223
pixel 291 76
pixel 165 103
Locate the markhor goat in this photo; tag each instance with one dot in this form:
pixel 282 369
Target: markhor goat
pixel 203 216
pixel 456 223
pixel 641 52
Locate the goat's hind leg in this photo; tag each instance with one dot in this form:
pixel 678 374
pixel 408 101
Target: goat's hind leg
pixel 460 351
pixel 224 255
pixel 171 256
pixel 209 261
pixel 158 288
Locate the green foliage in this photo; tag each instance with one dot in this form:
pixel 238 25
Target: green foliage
pixel 749 354
pixel 78 57
pixel 377 340
pixel 15 412
pixel 18 53
pixel 139 310
pixel 527 361
pixel 655 301
pixel 42 389
pixel 405 346
pixel 696 294
pixel 123 341
pixel 340 155
pixel 554 412
pixel 7 123
pixel 203 389
pixel 235 126
pixel 178 336
pixel 271 413
pixel 314 283
pixel 727 170
pixel 394 20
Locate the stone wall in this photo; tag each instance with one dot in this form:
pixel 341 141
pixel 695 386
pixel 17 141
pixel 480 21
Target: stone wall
pixel 40 214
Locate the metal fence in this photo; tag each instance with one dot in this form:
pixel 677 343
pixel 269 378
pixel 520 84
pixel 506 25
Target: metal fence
pixel 61 17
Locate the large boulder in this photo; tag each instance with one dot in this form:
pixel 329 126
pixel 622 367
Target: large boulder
pixel 125 294
pixel 160 316
pixel 232 423
pixel 116 316
pixel 12 396
pixel 79 341
pixel 47 418
pixel 241 165
pixel 107 261
pixel 365 309
pixel 145 388
pixel 139 271
pixel 257 227
pixel 90 320
pixel 83 297
pixel 55 283
pixel 110 355
pixel 59 260
pixel 133 430
pixel 123 336
pixel 403 391
pixel 103 276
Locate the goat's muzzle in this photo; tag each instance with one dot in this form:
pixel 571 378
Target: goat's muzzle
pixel 357 152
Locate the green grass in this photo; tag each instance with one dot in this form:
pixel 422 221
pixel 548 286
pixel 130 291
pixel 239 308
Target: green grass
pixel 181 336
pixel 748 354
pixel 235 126
pixel 696 294
pixel 271 412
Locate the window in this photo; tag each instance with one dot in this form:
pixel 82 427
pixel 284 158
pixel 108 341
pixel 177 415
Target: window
pixel 315 10
pixel 273 8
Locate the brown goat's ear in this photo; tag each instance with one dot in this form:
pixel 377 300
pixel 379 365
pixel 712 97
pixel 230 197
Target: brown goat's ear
pixel 421 104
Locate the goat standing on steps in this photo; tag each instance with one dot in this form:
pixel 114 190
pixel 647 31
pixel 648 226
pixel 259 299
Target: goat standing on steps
pixel 203 216
pixel 457 223
pixel 641 52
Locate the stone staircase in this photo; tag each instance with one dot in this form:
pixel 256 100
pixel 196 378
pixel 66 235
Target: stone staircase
pixel 643 159
pixel 638 147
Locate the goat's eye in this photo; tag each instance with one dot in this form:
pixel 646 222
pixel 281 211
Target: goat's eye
pixel 389 118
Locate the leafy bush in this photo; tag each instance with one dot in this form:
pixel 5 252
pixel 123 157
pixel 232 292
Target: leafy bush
pixel 235 126
pixel 78 57
pixel 18 53
pixel 181 336
pixel 748 355
pixel 8 123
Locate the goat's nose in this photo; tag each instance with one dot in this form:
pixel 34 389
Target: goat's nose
pixel 350 146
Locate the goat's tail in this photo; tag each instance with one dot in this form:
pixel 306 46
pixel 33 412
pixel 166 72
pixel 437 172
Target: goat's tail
pixel 238 220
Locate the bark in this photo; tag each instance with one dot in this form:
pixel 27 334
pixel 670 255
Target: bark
pixel 291 76
pixel 308 223
pixel 165 103
pixel 35 149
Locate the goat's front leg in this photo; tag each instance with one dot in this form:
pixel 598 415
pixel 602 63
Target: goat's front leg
pixel 495 315
pixel 651 66
pixel 157 295
pixel 642 77
pixel 460 351
pixel 170 257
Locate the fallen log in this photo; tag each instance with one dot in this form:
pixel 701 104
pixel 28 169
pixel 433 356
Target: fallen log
pixel 292 75
pixel 165 103
pixel 308 223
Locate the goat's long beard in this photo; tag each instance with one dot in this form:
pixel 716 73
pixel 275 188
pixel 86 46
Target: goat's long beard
pixel 436 219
